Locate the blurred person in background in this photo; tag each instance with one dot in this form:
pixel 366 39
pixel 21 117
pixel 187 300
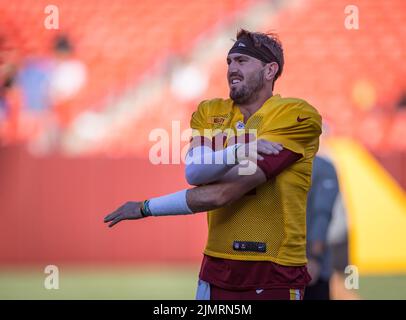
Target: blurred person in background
pixel 188 81
pixel 320 204
pixel 256 246
pixel 68 78
pixel 33 79
pixel 401 103
pixel 327 229
pixel 10 95
pixel 50 85
pixel 337 240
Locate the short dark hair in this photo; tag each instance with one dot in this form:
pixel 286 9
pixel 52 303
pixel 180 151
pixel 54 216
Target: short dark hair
pixel 271 42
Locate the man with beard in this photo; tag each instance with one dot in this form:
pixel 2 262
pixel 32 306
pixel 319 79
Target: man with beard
pixel 251 161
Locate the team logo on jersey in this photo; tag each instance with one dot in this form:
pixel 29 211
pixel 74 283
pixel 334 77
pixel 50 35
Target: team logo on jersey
pixel 217 120
pixel 239 125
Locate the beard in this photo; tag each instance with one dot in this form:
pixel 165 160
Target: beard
pixel 248 92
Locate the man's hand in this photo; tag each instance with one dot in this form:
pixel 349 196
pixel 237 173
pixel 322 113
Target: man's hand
pixel 129 211
pixel 314 268
pixel 251 151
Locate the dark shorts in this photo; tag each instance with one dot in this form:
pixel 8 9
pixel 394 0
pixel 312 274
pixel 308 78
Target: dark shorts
pixel 252 275
pixel 217 293
pixel 206 291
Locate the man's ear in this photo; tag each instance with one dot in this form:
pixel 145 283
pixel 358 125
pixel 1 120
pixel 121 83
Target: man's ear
pixel 271 70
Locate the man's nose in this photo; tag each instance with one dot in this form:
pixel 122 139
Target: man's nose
pixel 233 68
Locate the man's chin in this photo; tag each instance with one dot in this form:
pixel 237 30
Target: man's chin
pixel 237 100
pixel 234 95
pixel 240 99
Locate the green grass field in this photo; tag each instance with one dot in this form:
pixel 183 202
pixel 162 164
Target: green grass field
pixel 151 282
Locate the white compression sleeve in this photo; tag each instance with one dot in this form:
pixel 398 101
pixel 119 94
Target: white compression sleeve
pixel 171 204
pixel 203 165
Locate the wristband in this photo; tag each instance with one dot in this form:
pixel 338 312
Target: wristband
pixel 145 211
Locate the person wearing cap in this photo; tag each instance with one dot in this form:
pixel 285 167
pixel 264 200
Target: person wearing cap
pixel 250 160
